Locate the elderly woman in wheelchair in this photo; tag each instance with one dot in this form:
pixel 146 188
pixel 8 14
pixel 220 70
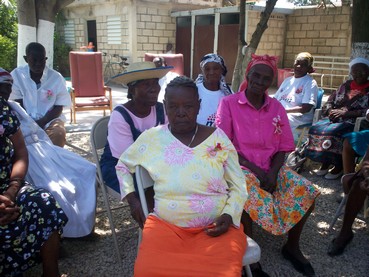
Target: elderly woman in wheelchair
pixel 194 228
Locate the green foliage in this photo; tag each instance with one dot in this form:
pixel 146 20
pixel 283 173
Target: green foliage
pixel 8 50
pixel 61 49
pixel 61 55
pixel 8 35
pixel 305 2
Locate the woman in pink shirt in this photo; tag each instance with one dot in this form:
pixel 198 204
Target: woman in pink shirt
pixel 129 120
pixel 279 200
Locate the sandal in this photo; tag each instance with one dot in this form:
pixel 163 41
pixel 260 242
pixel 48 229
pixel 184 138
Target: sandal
pixel 335 249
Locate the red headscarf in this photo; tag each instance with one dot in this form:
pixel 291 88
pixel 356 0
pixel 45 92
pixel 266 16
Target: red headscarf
pixel 270 61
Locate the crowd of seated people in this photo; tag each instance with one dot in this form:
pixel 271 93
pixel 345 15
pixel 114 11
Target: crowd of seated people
pixel 46 191
pixel 274 191
pixel 228 150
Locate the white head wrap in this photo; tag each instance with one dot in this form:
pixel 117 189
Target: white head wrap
pixel 359 60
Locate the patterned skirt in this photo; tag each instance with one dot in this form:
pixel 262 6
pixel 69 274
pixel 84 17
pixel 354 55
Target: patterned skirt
pixel 325 141
pixel 277 213
pixel 21 240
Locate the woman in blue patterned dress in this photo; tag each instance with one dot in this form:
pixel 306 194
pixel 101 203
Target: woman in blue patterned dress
pixel 351 100
pixel 30 219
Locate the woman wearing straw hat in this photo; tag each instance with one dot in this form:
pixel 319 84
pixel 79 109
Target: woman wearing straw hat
pixel 139 113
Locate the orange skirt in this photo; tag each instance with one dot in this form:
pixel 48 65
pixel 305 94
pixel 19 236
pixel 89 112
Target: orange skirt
pixel 169 250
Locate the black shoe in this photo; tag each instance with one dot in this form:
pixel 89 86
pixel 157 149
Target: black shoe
pixel 335 250
pixel 305 268
pixel 257 271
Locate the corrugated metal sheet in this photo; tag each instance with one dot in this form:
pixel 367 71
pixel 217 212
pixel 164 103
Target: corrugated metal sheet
pixel 114 30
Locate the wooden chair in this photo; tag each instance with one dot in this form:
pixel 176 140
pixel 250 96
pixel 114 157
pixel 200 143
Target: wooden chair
pixel 88 91
pixel 175 60
pixel 144 181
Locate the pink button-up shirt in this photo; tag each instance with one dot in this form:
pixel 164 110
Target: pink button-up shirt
pixel 256 134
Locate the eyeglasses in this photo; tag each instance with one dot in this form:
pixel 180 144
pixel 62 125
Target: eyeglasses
pixel 37 60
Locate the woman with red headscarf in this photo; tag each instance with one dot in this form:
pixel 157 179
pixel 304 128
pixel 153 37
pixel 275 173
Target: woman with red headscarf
pixel 279 200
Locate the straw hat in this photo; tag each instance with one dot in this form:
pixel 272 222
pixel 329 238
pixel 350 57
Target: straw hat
pixel 141 71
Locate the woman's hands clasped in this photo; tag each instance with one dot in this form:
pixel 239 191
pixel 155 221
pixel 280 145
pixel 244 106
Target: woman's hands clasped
pixel 335 115
pixel 8 210
pixel 219 226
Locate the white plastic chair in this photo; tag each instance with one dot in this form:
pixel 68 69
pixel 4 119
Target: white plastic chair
pixel 98 138
pixel 145 181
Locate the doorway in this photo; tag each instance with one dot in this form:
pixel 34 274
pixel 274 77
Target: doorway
pixel 91 33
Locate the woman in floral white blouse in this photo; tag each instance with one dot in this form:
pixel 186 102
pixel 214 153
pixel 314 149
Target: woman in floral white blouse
pixel 279 200
pixel 194 229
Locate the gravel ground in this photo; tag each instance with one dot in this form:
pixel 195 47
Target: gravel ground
pixel 95 255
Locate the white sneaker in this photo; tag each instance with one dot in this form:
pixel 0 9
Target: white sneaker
pixel 330 176
pixel 320 172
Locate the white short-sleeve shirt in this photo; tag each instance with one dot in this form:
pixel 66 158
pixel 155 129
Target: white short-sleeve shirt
pixel 297 91
pixel 37 101
pixel 209 105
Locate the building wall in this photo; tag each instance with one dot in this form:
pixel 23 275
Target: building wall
pixel 322 32
pixel 146 25
pixel 155 28
pixel 272 41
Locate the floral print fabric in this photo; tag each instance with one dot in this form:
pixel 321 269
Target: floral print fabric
pixel 9 126
pixel 277 213
pixel 193 186
pixel 40 214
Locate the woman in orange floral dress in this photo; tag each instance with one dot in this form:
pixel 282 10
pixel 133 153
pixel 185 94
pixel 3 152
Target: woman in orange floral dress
pixel 279 200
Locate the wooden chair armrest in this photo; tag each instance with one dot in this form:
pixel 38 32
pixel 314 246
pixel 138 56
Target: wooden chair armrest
pixel 108 89
pixel 358 123
pixel 72 95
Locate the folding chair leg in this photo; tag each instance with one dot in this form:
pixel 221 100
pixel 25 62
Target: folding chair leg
pixel 139 238
pixel 301 137
pixel 366 208
pixel 338 212
pixel 112 226
pixel 248 271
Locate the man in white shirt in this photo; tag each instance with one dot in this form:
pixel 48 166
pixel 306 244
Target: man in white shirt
pixel 42 92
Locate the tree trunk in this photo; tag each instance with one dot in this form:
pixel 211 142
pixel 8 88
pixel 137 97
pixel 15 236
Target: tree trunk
pixel 254 42
pixel 360 34
pixel 241 43
pixel 36 21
